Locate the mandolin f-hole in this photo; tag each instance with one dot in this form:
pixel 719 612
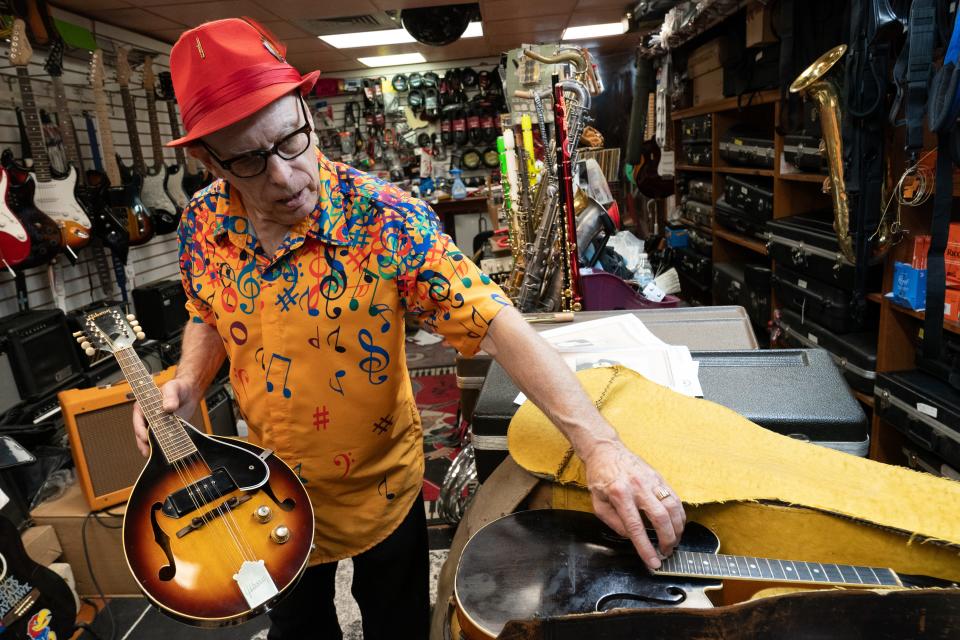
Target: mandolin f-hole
pixel 169 570
pixel 285 505
pixel 670 596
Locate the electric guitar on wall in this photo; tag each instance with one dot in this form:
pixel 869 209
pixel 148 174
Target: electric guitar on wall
pixel 151 192
pixel 216 530
pixel 34 601
pixel 122 196
pixel 14 241
pixel 107 226
pixel 150 87
pixel 57 198
pixel 192 180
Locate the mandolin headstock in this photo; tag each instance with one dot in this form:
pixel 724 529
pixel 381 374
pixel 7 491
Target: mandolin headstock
pixel 108 330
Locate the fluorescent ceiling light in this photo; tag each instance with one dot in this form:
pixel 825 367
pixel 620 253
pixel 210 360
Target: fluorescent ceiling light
pixel 595 31
pixel 390 61
pixel 386 36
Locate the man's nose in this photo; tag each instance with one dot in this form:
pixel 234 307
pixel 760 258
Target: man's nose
pixel 278 170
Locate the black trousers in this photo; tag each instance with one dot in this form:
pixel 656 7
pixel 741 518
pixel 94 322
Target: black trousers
pixel 390 583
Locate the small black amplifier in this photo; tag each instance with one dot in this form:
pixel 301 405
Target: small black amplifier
pixel 42 353
pixel 220 410
pixel 160 308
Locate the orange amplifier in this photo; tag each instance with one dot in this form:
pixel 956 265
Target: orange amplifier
pixel 100 426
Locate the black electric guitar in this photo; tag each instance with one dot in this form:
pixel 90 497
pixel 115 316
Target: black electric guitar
pixel 216 530
pixel 169 171
pixel 34 601
pixel 151 180
pixel 554 562
pixel 124 197
pixel 191 180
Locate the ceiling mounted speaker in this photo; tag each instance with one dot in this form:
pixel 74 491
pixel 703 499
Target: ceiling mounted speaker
pixel 438 26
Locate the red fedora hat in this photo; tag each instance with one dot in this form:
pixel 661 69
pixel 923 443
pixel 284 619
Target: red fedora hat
pixel 226 70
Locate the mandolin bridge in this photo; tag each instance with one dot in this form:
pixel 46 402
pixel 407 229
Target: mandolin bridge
pixel 202 492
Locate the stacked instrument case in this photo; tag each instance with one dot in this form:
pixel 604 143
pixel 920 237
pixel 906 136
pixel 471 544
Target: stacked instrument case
pixel 737 220
pixel 802 149
pixel 742 146
pixel 799 393
pixel 854 353
pixel 696 140
pixel 700 241
pixel 924 409
pixel 698 212
pixel 695 266
pixel 747 286
pixel 700 190
pixel 829 304
pixel 753 197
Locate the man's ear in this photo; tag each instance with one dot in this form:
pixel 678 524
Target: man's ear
pixel 198 152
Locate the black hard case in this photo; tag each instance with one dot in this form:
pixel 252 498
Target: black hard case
pixel 740 221
pixel 828 303
pixel 698 128
pixel 744 147
pixel 923 408
pixel 695 266
pixel 753 197
pixel 699 152
pixel 731 287
pixel 808 244
pixel 701 190
pixel 802 150
pixel 700 241
pixel 793 392
pixel 854 353
pixel 699 212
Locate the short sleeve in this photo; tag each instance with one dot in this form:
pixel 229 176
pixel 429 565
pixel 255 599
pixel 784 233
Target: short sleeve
pixel 192 264
pixel 447 290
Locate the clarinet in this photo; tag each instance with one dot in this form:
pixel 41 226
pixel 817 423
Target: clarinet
pixel 571 270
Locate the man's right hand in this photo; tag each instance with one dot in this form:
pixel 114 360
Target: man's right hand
pixel 179 397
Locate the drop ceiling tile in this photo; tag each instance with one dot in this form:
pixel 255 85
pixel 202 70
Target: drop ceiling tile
pixel 387 50
pixel 460 50
pixel 505 41
pixel 302 45
pixel 285 30
pixel 158 3
pixel 135 19
pixel 330 69
pixel 299 9
pixel 521 25
pixel 87 7
pixel 386 5
pixel 595 16
pixel 200 12
pixel 596 4
pixel 497 10
pixel 167 35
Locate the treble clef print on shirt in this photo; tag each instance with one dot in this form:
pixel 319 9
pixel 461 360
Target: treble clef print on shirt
pixel 248 286
pixel 334 284
pixel 438 288
pixel 377 361
pixel 391 237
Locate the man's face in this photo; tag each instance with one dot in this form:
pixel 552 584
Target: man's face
pixel 287 190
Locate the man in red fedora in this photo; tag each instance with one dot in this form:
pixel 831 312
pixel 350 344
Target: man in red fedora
pixel 300 271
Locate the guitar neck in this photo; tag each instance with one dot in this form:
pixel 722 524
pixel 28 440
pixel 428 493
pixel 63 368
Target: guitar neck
pixel 154 130
pixel 651 116
pixel 106 137
pixel 175 132
pixel 711 565
pixel 130 115
pixel 41 163
pixel 169 433
pixel 70 143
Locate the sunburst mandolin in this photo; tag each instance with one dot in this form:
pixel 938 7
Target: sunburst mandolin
pixel 216 530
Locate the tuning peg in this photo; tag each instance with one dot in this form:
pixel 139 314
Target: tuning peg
pixel 90 351
pixel 85 345
pixel 78 334
pixel 141 335
pixel 81 338
pixel 131 317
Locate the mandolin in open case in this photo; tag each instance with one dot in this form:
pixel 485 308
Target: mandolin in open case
pixel 216 530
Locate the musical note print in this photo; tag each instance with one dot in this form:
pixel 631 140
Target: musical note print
pixel 339 388
pixel 243 378
pixel 286 374
pixel 335 334
pixel 383 425
pixel 238 332
pixel 370 280
pixel 321 418
pixel 376 362
pixel 344 459
pixel 384 491
pixel 334 284
pixel 298 470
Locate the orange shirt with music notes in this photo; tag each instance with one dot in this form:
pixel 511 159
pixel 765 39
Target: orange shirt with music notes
pixel 315 338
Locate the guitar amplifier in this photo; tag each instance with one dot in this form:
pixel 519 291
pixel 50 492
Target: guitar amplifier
pixel 220 410
pixel 160 308
pixel 43 355
pixel 99 424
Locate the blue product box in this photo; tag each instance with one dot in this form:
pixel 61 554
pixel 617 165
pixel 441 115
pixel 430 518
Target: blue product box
pixel 677 237
pixel 909 286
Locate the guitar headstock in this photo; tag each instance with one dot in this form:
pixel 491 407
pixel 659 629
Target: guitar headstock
pixel 149 80
pixel 123 66
pixel 20 49
pixel 108 330
pixel 165 89
pixel 96 70
pixel 54 62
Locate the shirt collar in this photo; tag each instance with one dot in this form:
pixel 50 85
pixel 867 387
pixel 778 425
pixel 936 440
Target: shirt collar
pixel 328 222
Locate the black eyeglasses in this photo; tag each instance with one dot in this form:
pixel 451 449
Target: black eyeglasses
pixel 254 163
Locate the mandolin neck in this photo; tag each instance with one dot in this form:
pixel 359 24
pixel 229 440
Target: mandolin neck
pixel 711 565
pixel 170 434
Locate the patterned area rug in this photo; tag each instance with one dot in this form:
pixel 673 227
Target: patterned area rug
pixel 438 400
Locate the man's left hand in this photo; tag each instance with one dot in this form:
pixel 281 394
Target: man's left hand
pixel 625 489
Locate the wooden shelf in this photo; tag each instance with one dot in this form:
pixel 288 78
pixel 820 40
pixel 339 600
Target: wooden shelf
pixel 875 297
pixel 743 241
pixel 746 171
pixel 864 398
pixel 803 177
pixel 699 227
pixel 728 104
pixel 952 327
pixel 692 167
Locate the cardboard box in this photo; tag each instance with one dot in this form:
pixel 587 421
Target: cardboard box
pixel 42 544
pixel 909 286
pixel 760 26
pixel 921 246
pixel 951 305
pixel 705 58
pixel 66 515
pixel 708 88
pixel 951 258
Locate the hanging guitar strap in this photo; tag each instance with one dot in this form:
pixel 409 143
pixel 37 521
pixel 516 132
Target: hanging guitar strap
pixel 943 110
pixel 912 72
